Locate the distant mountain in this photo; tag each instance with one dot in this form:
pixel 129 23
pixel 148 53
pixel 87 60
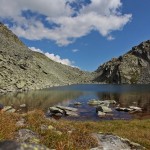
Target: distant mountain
pixel 23 69
pixel 131 68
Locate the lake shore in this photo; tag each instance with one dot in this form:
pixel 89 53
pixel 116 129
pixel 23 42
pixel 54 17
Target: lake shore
pixel 71 134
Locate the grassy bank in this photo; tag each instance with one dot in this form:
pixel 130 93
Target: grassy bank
pixel 71 135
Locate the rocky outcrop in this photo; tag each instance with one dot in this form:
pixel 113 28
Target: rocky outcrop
pixel 131 68
pixel 23 69
pixel 113 142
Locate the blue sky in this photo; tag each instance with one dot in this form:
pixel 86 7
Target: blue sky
pixel 83 33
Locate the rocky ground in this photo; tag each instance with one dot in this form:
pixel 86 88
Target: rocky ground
pixel 33 130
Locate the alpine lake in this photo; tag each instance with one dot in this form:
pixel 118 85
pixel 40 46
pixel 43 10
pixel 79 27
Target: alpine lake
pixel 124 95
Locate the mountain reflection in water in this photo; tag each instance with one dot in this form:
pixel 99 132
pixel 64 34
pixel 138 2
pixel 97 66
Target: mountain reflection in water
pixel 125 95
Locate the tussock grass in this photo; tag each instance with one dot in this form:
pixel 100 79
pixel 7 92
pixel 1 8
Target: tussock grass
pixel 7 125
pixel 72 135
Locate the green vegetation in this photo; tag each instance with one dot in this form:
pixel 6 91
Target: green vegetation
pixel 72 135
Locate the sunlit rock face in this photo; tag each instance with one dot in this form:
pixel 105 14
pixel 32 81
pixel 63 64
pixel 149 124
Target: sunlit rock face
pixel 132 67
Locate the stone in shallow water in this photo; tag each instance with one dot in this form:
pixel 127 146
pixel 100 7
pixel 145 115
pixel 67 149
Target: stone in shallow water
pixel 67 108
pixel 101 114
pixel 71 113
pixel 101 102
pixel 106 109
pixel 77 103
pixel 113 142
pixel 55 110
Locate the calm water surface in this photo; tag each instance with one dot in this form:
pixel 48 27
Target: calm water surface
pixel 125 95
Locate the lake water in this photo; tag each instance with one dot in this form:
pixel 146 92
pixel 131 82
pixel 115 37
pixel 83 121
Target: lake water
pixel 125 95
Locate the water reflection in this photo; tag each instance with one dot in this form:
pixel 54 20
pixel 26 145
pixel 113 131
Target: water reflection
pixel 38 99
pixel 125 95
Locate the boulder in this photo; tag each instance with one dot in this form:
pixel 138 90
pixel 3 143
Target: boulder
pixel 56 110
pixel 12 145
pixel 67 108
pixel 71 113
pixel 101 114
pixel 8 109
pixel 26 135
pixel 20 84
pixel 113 142
pixel 134 108
pixel 106 109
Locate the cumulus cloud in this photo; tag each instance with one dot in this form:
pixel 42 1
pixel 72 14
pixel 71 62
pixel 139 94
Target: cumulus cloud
pixel 59 21
pixel 54 57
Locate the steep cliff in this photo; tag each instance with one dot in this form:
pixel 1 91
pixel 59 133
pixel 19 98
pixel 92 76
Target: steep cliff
pixel 131 68
pixel 23 69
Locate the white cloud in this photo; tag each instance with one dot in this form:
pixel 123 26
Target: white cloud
pixel 54 57
pixel 75 50
pixel 36 49
pixel 103 16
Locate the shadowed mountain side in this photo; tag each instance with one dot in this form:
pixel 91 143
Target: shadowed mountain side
pixel 131 68
pixel 23 69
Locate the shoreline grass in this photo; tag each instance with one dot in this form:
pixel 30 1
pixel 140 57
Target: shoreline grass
pixel 74 135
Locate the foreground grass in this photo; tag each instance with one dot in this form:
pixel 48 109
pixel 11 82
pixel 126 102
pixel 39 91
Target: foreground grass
pixel 71 135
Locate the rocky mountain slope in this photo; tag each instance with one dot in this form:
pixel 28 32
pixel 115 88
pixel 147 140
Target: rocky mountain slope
pixel 131 68
pixel 23 69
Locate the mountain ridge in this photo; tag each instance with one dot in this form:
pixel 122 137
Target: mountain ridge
pixel 22 69
pixel 131 68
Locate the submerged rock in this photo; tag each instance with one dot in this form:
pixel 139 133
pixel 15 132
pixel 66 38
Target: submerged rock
pixel 113 142
pixel 77 103
pixel 94 102
pixel 101 102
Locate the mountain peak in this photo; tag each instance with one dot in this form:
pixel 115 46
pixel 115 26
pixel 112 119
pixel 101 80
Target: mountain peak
pixel 132 67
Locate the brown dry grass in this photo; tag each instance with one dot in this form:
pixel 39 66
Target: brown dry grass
pixel 75 135
pixel 7 125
